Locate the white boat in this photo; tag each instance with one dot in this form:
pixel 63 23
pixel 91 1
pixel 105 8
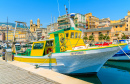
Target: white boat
pixel 65 52
pixel 85 61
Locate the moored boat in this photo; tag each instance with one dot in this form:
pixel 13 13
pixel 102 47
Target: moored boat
pixel 68 53
pixel 65 52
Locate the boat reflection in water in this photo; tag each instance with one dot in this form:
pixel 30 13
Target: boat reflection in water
pixel 115 72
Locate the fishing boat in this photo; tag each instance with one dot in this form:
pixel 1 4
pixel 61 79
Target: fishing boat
pixel 124 54
pixel 65 52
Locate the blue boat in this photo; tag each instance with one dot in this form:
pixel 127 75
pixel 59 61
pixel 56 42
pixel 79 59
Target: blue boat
pixel 121 56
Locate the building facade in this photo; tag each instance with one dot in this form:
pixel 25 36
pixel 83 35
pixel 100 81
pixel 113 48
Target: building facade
pixel 105 22
pixel 95 32
pixel 52 27
pixel 64 22
pixel 79 20
pixel 34 26
pixel 41 33
pixel 91 21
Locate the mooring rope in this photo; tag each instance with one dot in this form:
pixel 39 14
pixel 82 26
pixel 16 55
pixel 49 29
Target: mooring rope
pixel 123 51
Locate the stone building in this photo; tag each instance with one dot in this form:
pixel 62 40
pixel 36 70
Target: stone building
pixel 34 26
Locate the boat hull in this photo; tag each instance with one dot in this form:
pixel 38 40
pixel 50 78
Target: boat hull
pixel 77 62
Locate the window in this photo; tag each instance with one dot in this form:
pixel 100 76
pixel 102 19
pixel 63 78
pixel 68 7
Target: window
pixel 107 32
pixel 120 25
pixel 116 26
pixel 38 45
pixel 76 35
pixel 18 47
pixel 72 34
pixel 49 43
pixel 67 35
pixel 79 35
pixel 100 33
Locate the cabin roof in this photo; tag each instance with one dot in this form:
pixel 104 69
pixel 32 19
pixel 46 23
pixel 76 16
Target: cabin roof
pixel 44 40
pixel 62 30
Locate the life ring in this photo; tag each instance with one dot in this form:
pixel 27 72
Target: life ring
pixel 49 49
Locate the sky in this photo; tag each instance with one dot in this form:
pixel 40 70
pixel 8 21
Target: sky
pixel 25 10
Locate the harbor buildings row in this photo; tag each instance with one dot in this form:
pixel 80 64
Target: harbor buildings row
pixel 115 29
pixel 93 26
pixel 63 22
pixel 89 24
pixel 22 32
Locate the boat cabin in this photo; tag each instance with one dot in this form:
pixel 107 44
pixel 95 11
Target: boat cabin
pixel 59 41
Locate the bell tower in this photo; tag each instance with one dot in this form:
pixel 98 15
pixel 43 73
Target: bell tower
pixel 38 23
pixel 128 12
pixel 31 23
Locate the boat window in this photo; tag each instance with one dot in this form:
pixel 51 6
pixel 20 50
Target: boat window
pixel 18 47
pixel 67 35
pixel 79 35
pixel 38 45
pixel 49 43
pixel 72 34
pixel 76 35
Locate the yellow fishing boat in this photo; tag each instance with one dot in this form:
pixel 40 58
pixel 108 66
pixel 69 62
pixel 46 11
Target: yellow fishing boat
pixel 66 52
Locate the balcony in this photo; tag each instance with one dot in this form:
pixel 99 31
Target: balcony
pixel 126 29
pixel 62 18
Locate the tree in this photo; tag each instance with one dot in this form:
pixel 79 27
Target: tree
pixel 106 37
pixel 85 37
pixel 124 36
pixel 91 37
pixel 101 36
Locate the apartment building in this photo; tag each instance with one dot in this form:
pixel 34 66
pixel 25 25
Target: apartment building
pixel 91 21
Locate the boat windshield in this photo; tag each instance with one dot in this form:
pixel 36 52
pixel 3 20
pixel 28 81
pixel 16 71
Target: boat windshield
pixel 38 45
pixel 18 47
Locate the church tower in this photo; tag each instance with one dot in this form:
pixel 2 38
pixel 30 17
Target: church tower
pixel 31 23
pixel 38 23
pixel 34 27
pixel 128 12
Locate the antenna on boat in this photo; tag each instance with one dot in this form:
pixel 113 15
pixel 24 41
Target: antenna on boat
pixel 69 6
pixel 54 20
pixel 66 10
pixel 71 20
pixel 51 23
pixel 54 23
pixel 58 8
pixel 7 29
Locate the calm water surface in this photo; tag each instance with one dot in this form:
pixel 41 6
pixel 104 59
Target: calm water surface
pixel 113 72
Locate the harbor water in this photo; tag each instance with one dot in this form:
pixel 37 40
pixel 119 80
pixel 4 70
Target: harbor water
pixel 113 72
